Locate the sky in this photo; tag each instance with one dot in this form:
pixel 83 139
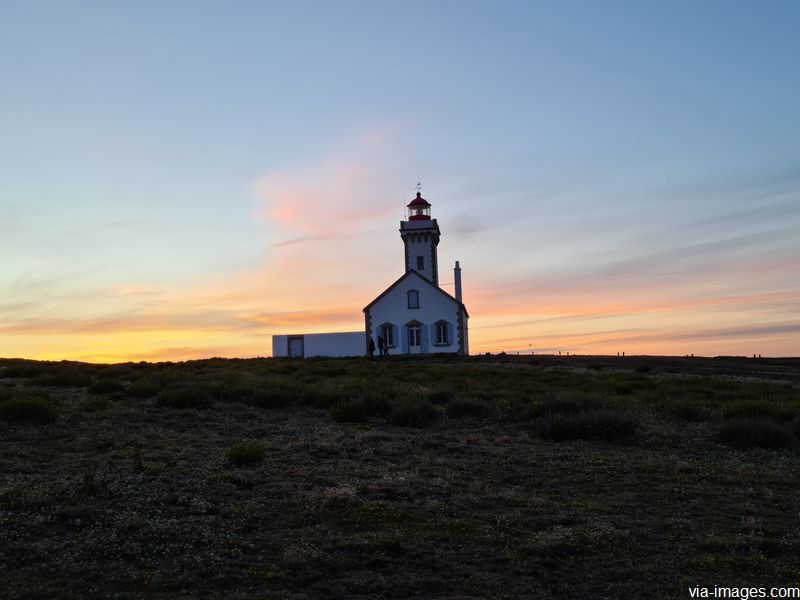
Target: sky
pixel 185 179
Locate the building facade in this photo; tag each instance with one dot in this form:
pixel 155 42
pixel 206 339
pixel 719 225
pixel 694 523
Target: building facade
pixel 413 315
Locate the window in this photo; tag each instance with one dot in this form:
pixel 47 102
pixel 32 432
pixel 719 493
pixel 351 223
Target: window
pixel 387 333
pixel 442 328
pixel 413 336
pixel 413 299
pixel 420 263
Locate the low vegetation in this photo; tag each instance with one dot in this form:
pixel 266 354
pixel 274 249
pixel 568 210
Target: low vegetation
pixel 757 433
pixel 95 404
pixel 184 397
pixel 246 455
pixel 28 407
pixel 487 477
pixel 464 407
pixel 361 408
pixel 762 408
pixel 413 412
pixel 602 424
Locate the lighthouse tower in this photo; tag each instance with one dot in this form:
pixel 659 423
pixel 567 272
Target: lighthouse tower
pixel 420 236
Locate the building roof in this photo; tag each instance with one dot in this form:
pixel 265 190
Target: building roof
pixel 425 280
pixel 419 201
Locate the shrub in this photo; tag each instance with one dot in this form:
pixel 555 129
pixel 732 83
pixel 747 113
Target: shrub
pixel 327 371
pixel 688 410
pixel 144 388
pixel 759 409
pixel 563 406
pixel 440 396
pixel 625 385
pixel 122 372
pixel 28 408
pixel 756 433
pixel 69 377
pixel 22 371
pixel 105 386
pixel 413 412
pixel 351 410
pixel 319 395
pixel 283 368
pixel 600 424
pixel 95 404
pixel 270 397
pixel 184 397
pixel 245 455
pixel 358 410
pixel 377 406
pixel 464 407
pixel 240 392
pixel 391 547
pixel 228 386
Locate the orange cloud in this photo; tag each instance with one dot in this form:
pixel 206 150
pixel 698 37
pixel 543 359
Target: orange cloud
pixel 342 194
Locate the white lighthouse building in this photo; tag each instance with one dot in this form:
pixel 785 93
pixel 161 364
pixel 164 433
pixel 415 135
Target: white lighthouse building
pixel 412 316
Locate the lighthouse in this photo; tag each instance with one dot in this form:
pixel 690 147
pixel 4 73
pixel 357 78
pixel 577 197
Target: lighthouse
pixel 420 236
pixel 414 315
pixel 411 316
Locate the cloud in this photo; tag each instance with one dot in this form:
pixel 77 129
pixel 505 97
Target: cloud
pixel 736 189
pixel 301 240
pixel 655 338
pixel 172 353
pixel 736 339
pixel 343 193
pixel 733 332
pixel 744 265
pixel 303 318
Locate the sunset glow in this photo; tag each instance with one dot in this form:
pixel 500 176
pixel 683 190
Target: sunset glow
pixel 180 182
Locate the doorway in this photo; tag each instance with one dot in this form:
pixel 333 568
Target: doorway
pixel 295 346
pixel 414 342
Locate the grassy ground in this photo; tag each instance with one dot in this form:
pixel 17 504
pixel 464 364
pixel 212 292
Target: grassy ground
pixel 494 477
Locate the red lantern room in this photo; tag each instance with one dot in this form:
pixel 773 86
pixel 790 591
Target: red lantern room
pixel 419 209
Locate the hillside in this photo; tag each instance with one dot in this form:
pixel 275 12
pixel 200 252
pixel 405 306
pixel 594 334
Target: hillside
pixel 490 477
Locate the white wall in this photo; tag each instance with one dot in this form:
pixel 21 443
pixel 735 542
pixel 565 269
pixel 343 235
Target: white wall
pixel 280 346
pixel 418 246
pixel 420 239
pixel 351 343
pixel 433 306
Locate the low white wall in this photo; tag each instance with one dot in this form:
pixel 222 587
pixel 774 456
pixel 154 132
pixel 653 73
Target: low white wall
pixel 280 346
pixel 349 343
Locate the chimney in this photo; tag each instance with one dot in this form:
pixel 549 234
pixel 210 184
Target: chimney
pixel 457 279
